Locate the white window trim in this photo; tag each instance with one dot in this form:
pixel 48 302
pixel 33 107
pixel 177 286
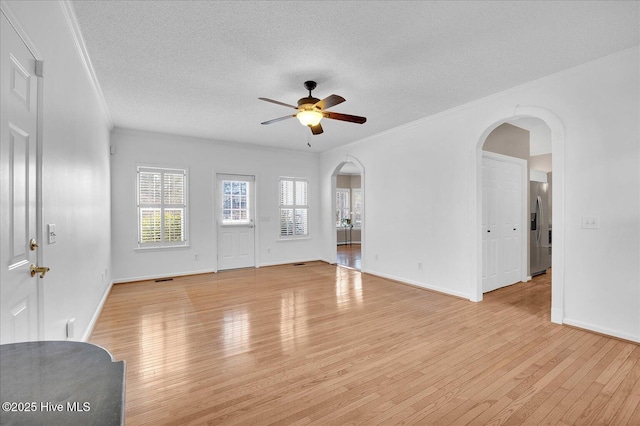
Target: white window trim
pixel 294 206
pixel 162 245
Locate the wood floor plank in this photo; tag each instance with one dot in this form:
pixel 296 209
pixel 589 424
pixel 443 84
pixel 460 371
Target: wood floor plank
pixel 320 344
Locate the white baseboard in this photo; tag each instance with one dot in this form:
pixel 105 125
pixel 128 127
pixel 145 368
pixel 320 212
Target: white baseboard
pixel 96 314
pixel 602 330
pixel 160 276
pixel 419 284
pixel 288 262
pixel 556 316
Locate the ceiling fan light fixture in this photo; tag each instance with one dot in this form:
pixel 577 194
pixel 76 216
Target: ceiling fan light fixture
pixel 309 117
pixel 311 110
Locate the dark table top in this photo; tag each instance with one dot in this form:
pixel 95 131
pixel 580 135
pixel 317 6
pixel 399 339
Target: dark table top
pixel 60 383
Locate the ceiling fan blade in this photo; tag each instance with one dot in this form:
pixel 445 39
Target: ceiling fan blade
pixel 278 102
pixel 329 101
pixel 317 129
pixel 278 119
pixel 345 117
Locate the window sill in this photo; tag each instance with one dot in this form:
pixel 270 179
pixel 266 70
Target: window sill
pixel 287 240
pixel 160 248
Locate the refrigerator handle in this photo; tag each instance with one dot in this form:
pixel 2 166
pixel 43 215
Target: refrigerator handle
pixel 539 214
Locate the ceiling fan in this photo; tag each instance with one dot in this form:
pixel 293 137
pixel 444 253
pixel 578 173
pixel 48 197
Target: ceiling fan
pixel 311 110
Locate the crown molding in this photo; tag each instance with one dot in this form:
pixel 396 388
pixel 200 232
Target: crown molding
pixel 78 39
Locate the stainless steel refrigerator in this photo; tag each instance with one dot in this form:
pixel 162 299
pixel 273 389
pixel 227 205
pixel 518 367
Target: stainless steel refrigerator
pixel 539 243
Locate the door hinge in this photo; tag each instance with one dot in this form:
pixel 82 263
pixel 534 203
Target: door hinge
pixel 39 68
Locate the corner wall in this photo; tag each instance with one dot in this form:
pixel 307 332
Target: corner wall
pixel 429 168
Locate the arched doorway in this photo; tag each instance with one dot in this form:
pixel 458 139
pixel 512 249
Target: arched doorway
pixel 557 145
pixel 347 213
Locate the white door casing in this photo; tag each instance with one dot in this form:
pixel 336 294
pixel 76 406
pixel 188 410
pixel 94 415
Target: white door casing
pixel 557 151
pixel 235 221
pixel 503 204
pixel 20 307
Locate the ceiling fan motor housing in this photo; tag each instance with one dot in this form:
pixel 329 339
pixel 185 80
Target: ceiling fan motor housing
pixel 307 103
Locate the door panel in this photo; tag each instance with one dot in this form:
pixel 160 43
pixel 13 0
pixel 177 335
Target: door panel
pixel 18 194
pixel 19 307
pixel 490 258
pixel 511 185
pixel 235 212
pixel 501 223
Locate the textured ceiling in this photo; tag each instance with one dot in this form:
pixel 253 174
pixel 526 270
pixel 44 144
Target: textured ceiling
pixel 197 68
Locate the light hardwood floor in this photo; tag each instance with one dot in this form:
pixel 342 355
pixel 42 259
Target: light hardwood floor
pixel 320 344
pixel 349 255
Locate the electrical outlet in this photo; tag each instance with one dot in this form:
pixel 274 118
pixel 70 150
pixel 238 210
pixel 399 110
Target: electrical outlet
pixel 420 266
pixel 196 257
pixel 268 251
pixel 71 328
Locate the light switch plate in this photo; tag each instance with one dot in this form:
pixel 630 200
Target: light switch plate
pixel 590 222
pixel 51 232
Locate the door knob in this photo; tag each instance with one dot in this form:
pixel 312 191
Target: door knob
pixel 488 230
pixel 33 245
pixel 38 270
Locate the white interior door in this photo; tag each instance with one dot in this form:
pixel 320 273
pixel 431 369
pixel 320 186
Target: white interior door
pixel 19 307
pixel 512 207
pixel 490 209
pixel 502 207
pixel 235 221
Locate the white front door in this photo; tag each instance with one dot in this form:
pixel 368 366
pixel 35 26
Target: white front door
pixel 19 304
pixel 502 207
pixel 235 221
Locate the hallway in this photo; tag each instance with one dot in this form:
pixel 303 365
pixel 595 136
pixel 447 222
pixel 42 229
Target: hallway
pixel 350 255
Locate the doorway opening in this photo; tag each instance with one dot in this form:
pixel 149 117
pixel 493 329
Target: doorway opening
pixel 348 214
pixel 541 226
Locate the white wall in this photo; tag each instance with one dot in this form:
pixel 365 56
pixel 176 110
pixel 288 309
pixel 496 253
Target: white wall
pixel 429 167
pixel 203 159
pixel 540 162
pixel 75 174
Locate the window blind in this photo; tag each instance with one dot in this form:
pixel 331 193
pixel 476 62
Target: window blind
pixel 162 207
pixel 294 208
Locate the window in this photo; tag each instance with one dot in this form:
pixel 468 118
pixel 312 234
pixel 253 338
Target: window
pixel 294 208
pixel 235 202
pixel 162 207
pixel 357 206
pixel 342 207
